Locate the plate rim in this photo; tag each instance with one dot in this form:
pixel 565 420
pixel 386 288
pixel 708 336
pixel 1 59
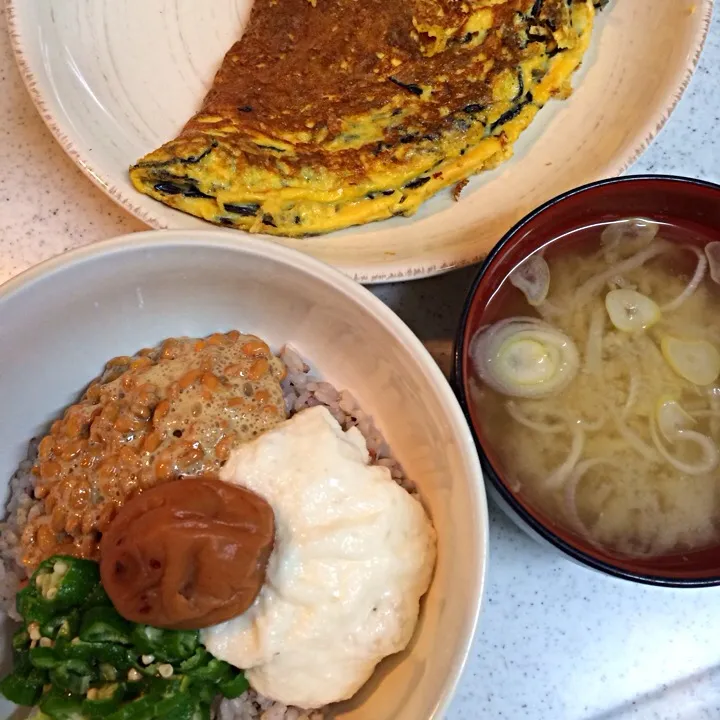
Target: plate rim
pixel 367 273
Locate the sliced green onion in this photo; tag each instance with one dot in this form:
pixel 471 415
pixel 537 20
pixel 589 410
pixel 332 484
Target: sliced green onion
pixel 524 357
pixel 637 233
pixel 672 418
pixel 673 422
pixel 532 278
pixel 631 311
pixel 698 361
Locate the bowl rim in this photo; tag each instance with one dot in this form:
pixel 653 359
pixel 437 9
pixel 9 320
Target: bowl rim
pixel 318 271
pixel 489 472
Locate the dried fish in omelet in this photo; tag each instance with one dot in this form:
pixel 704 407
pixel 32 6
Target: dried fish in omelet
pixel 334 113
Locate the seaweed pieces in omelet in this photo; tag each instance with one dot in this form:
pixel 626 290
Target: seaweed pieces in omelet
pixel 330 114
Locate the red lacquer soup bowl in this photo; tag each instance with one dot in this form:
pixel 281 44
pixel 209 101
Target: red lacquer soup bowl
pixel 690 205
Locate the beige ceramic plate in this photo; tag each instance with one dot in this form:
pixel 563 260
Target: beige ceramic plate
pixel 113 79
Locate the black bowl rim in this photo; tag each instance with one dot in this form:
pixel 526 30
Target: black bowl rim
pixel 489 471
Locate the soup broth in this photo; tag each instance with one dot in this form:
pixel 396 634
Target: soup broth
pixel 596 384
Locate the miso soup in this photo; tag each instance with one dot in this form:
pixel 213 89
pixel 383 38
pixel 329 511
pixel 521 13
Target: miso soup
pixel 597 383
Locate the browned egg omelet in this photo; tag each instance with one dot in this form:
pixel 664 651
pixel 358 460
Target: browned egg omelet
pixel 331 113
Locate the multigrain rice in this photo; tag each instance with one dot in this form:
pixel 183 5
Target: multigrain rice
pixel 21 507
pixel 301 391
pixel 252 706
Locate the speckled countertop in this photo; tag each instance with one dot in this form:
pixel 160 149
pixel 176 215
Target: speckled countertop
pixel 556 641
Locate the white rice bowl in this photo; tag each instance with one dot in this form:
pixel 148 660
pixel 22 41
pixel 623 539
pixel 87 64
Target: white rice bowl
pixel 62 320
